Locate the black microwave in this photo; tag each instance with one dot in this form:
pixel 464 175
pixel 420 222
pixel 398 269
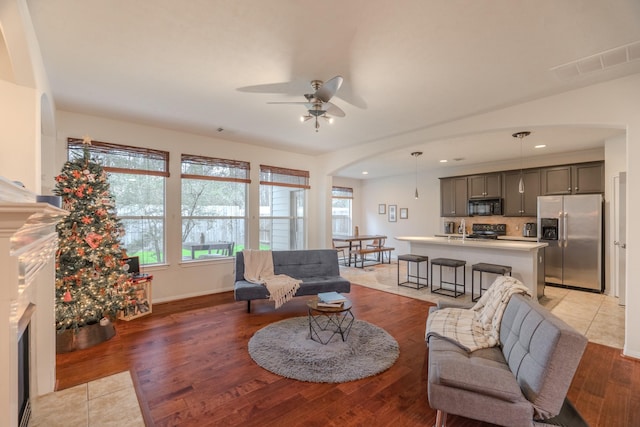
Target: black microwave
pixel 484 207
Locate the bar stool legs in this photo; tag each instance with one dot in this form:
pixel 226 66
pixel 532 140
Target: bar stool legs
pixel 417 259
pixel 453 263
pixel 484 267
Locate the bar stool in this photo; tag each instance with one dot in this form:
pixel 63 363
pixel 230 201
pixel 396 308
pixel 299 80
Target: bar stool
pixel 417 259
pixel 483 267
pixel 453 263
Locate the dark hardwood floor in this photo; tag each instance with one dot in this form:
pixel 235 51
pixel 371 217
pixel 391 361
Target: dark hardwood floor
pixel 190 367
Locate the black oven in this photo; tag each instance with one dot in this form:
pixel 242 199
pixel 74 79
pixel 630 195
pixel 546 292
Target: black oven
pixel 484 207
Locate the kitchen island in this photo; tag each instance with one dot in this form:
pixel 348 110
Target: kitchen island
pixel 525 258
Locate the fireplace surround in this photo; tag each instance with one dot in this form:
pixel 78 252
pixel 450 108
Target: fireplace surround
pixel 28 242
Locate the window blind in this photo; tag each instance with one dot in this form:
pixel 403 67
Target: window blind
pixel 123 158
pixel 342 192
pixel 273 175
pixel 214 169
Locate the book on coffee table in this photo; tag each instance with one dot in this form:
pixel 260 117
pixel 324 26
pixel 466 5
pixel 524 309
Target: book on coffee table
pixel 330 304
pixel 330 298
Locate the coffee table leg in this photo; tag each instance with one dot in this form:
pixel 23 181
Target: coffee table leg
pixel 338 320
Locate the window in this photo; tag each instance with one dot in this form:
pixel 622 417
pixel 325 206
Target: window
pixel 137 181
pixel 214 200
pixel 341 204
pixel 283 208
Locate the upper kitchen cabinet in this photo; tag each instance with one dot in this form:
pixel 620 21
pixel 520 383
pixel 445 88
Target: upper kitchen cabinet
pixel 521 204
pixel 486 185
pixel 582 178
pixel 453 196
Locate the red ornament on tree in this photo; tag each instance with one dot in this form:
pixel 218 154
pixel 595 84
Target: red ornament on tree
pixel 67 297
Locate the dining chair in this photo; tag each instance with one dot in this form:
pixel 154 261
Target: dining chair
pixel 341 251
pixel 378 244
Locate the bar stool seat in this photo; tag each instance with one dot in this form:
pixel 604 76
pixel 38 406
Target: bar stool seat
pixel 417 259
pixel 453 263
pixel 483 267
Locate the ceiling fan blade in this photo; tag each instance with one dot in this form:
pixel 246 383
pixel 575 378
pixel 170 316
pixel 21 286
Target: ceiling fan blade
pixel 328 89
pixel 334 110
pixel 289 102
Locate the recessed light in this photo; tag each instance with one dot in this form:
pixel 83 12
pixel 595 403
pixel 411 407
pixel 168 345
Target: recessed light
pixel 444 161
pixel 540 146
pixel 365 173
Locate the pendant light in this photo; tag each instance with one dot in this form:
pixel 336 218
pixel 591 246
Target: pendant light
pixel 416 154
pixel 520 136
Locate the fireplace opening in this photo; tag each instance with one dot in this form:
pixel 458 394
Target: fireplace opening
pixel 24 368
pixel 24 405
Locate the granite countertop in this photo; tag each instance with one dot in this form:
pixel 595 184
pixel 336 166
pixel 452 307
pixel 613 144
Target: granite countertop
pixel 518 238
pixel 515 238
pixel 457 240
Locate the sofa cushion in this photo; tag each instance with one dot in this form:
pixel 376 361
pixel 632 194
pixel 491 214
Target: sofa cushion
pixel 298 264
pixel 306 263
pixel 482 371
pixel 542 351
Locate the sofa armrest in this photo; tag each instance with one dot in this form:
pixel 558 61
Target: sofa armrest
pixel 481 379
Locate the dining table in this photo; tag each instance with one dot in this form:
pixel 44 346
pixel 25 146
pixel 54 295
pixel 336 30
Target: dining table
pixel 360 238
pixel 219 248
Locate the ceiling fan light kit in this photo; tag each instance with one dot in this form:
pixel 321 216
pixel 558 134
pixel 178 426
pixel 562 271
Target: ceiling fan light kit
pixel 318 104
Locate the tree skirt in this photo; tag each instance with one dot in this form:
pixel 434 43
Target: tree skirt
pixel 285 348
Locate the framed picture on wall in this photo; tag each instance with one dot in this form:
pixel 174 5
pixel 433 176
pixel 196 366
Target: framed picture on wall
pixel 392 213
pixel 382 209
pixel 404 213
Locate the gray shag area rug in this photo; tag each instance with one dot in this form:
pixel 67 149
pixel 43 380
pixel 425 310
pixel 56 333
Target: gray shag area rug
pixel 285 349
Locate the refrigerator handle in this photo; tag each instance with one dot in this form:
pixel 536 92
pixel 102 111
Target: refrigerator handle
pixel 565 232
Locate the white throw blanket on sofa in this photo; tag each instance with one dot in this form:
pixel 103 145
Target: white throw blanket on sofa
pixel 479 326
pixel 258 268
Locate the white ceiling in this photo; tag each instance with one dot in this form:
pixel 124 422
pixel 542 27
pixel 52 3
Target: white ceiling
pixel 201 65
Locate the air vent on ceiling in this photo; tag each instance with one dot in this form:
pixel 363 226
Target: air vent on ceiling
pixel 599 62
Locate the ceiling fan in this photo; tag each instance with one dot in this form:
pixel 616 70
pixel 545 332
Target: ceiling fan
pixel 318 104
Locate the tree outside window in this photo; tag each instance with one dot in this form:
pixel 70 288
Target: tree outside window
pixel 214 214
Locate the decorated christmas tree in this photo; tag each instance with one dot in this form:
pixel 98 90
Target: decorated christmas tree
pixel 91 283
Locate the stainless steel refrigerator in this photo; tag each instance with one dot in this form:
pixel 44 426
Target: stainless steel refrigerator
pixel 572 226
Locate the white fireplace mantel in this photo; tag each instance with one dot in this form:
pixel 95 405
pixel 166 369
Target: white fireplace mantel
pixel 28 241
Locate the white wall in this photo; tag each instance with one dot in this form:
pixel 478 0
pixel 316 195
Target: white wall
pixel 615 162
pixel 20 135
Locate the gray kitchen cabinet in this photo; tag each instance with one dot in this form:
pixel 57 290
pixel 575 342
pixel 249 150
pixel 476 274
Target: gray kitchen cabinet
pixel 526 204
pixel 588 178
pixel 453 196
pixel 485 185
pixel 582 178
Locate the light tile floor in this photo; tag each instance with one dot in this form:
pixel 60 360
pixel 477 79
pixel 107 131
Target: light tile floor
pixel 109 401
pixel 599 317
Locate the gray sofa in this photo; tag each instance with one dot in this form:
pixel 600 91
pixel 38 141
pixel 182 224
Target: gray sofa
pixel 521 383
pixel 317 268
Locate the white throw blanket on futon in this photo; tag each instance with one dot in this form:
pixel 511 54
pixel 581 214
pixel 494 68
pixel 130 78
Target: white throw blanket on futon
pixel 479 326
pixel 258 268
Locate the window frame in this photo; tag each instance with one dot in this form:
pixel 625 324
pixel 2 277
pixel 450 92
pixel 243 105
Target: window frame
pixel 108 149
pixel 240 170
pixel 339 192
pixel 276 176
